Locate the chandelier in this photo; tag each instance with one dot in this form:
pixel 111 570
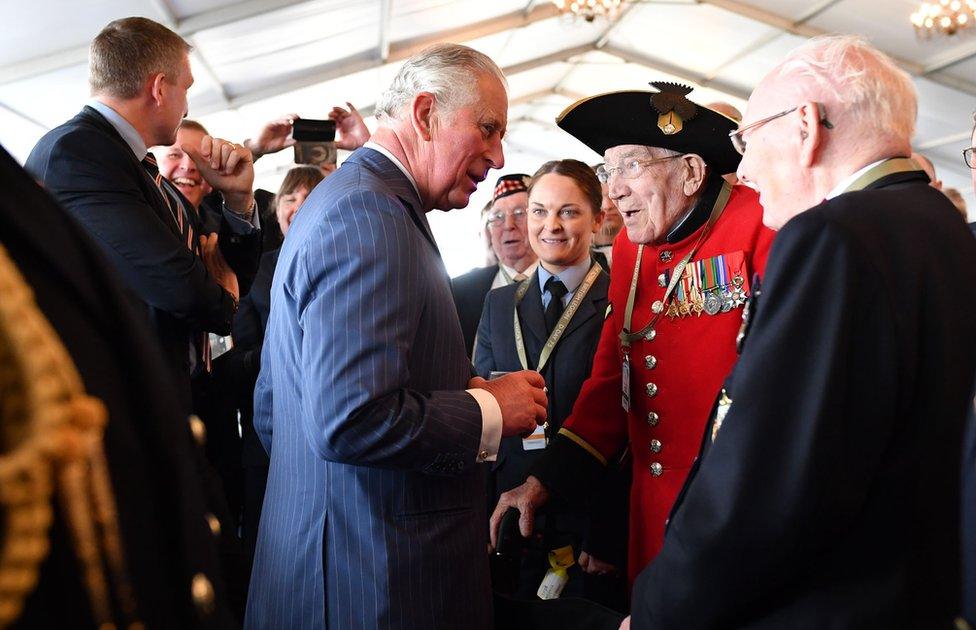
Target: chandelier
pixel 946 17
pixel 589 10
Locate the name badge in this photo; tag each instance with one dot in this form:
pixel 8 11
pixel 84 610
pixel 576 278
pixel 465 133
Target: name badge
pixel 625 384
pixel 536 441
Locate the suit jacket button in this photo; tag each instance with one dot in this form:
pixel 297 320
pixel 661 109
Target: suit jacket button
pixel 483 455
pixel 650 361
pixel 657 306
pixel 198 429
pixel 656 446
pixel 650 335
pixel 214 524
pixel 656 469
pixel 203 593
pixel 651 390
pixel 652 418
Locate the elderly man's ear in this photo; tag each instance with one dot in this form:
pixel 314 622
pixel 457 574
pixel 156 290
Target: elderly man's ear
pixel 422 115
pixel 694 174
pixel 811 133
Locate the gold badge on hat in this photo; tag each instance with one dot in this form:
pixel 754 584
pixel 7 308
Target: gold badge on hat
pixel 672 105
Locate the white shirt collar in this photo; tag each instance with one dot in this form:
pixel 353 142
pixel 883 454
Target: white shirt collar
pixel 123 126
pixel 850 179
pixel 381 149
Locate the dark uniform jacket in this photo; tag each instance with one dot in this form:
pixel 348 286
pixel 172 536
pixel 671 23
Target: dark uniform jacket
pixel 829 497
pixel 603 535
pixel 94 175
pixel 153 463
pixel 469 292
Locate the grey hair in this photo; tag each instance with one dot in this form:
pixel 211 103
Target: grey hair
pixel 875 95
pixel 448 71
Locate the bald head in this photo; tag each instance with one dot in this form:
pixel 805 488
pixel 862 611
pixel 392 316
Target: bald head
pixel 860 87
pixel 834 105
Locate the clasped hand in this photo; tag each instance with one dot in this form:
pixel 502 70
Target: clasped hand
pixel 228 167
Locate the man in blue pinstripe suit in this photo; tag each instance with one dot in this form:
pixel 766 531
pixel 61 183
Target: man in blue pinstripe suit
pixel 374 515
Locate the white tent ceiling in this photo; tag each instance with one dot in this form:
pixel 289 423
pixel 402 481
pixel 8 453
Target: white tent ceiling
pixel 257 59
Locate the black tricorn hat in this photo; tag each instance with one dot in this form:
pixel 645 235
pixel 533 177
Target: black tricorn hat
pixel 665 119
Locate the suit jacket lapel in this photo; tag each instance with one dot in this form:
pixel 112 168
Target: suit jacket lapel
pixel 154 194
pixel 531 312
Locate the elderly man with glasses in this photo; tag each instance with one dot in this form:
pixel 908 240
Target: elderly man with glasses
pixel 678 286
pixel 506 225
pixel 826 493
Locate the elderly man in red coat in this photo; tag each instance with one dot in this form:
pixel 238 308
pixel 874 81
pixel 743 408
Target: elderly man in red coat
pixel 678 286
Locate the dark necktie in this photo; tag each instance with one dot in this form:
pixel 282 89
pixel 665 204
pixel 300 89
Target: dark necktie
pixel 175 206
pixel 556 290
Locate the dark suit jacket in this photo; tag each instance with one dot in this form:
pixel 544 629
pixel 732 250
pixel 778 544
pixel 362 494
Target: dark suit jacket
pixel 567 368
pixel 153 464
pixel 830 495
pixel 249 326
pixel 93 173
pixel 469 291
pixel 564 372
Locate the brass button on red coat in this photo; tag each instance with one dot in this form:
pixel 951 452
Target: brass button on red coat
pixel 651 390
pixel 656 446
pixel 652 418
pixel 656 469
pixel 650 361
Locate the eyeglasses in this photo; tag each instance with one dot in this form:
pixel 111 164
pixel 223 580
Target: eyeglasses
pixel 967 155
pixel 631 169
pixel 498 217
pixel 739 141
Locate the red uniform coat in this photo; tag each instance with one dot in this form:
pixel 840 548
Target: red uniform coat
pixel 686 360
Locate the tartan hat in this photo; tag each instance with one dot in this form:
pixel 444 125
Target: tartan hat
pixel 510 184
pixel 664 119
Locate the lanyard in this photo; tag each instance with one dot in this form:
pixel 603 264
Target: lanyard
pixel 888 167
pixel 627 337
pixel 561 325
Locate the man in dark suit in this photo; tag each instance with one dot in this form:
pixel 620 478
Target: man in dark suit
pixel 505 221
pixel 827 490
pixel 97 167
pixel 164 507
pixel 374 515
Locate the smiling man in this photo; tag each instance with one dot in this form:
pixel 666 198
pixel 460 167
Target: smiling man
pixel 506 224
pixel 678 285
pixel 375 506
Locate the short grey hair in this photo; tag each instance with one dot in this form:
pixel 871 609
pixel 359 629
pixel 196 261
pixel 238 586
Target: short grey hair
pixel 448 71
pixel 875 95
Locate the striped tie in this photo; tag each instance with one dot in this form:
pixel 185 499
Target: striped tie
pixel 186 231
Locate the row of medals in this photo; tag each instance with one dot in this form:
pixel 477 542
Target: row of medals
pixel 719 299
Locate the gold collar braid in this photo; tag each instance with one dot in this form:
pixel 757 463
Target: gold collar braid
pixel 51 448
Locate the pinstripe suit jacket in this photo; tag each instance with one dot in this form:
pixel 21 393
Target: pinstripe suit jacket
pixel 374 515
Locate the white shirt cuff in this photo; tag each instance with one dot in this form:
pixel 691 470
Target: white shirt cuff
pixel 491 425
